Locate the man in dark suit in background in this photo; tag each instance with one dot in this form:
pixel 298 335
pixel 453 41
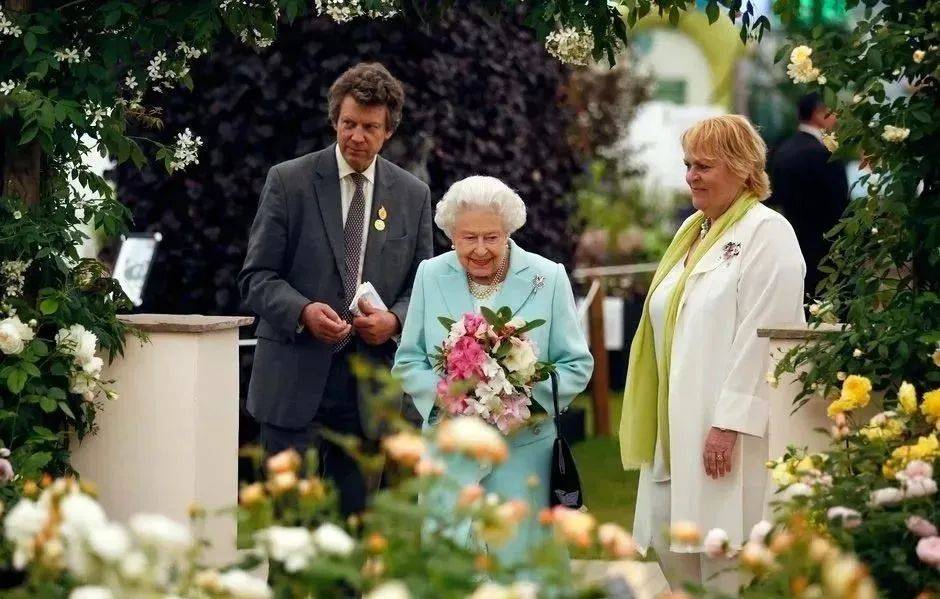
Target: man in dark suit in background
pixel 811 190
pixel 326 223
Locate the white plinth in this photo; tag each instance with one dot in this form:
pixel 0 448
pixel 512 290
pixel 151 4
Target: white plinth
pixel 171 438
pixel 799 428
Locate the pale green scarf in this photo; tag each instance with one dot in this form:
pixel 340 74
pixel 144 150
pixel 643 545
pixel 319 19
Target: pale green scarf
pixel 646 397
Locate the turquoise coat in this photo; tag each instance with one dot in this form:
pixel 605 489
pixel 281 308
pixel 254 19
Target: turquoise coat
pixel 535 288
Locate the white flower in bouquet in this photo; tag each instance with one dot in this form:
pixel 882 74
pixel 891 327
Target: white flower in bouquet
pixel 330 538
pixel 292 546
pixel 110 542
pixel 81 514
pixel 77 341
pixel 242 585
pixel 161 533
pixel 14 335
pixel 895 134
pixel 716 543
pixel 393 589
pixel 521 357
pixel 91 592
pixel 919 56
pixel 457 330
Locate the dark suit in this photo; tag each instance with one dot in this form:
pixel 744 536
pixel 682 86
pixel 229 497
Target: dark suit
pixel 812 191
pixel 296 256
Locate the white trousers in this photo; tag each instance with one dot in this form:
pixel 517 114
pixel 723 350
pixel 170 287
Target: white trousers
pixel 718 575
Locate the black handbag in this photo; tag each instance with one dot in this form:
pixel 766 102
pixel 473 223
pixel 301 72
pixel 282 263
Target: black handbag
pixel 564 483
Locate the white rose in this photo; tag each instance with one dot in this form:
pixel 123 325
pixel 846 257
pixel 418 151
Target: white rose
pixel 716 543
pixel 155 530
pixel 14 335
pixel 886 496
pixel 241 585
pixel 77 341
pixel 800 54
pixel 90 592
pixel 457 330
pixel 919 487
pixel 821 80
pixel 473 437
pixel 81 514
pixel 133 565
pixel 330 538
pixel 24 521
pixel 291 546
pixel 521 357
pixel 760 531
pixel 857 353
pixel 109 542
pixel 919 56
pixel 393 589
pixel 93 366
pixel 796 490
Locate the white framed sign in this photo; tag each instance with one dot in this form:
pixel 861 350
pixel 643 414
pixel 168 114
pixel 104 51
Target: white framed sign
pixel 133 263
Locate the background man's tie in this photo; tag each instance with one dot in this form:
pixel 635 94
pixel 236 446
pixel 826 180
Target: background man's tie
pixel 352 236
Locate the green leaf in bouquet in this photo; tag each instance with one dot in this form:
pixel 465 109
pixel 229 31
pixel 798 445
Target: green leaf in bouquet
pixel 505 314
pixel 491 317
pixel 503 350
pixel 447 322
pixel 532 324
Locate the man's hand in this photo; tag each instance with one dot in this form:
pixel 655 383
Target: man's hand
pixel 375 326
pixel 324 323
pixel 716 456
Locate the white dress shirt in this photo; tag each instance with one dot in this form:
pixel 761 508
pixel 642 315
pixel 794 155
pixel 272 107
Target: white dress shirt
pixel 347 188
pixel 814 131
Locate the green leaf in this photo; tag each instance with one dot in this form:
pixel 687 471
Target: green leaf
pixel 39 348
pixel 35 462
pixel 712 11
pixel 447 322
pixel 48 404
pixel 16 381
pixel 490 316
pixel 65 408
pixel 29 42
pixel 532 324
pixel 56 393
pixel 674 16
pixel 30 369
pixel 49 306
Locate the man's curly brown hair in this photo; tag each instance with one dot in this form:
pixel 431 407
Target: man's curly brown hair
pixel 370 84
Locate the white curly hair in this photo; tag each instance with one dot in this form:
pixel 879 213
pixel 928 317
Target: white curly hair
pixel 480 193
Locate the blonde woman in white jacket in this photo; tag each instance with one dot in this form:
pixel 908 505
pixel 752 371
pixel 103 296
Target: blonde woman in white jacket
pixel 695 407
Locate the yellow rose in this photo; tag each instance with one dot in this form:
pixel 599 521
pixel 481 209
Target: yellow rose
pixel 888 470
pixel 805 465
pixel 931 405
pixel 926 447
pixel 800 54
pixel 838 406
pixel 907 398
pixel 856 390
pixel 782 475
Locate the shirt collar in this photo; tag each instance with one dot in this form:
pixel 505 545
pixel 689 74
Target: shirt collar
pixel 814 131
pixel 345 170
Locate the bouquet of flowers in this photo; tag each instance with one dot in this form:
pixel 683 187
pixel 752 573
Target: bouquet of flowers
pixel 488 366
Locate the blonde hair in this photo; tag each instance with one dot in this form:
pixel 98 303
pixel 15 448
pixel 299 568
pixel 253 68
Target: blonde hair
pixel 732 140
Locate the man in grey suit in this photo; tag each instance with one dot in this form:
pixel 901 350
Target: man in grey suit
pixel 327 222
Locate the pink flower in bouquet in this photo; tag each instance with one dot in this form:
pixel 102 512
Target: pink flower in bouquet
pixel 928 550
pixel 515 413
pixel 474 324
pixel 465 359
pixel 453 403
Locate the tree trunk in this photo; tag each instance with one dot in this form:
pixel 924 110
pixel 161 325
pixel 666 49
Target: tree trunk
pixel 21 164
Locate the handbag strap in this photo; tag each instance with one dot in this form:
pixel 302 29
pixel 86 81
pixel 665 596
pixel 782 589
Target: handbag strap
pixel 554 376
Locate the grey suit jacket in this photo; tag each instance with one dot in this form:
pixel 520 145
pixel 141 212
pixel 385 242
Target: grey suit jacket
pixel 295 256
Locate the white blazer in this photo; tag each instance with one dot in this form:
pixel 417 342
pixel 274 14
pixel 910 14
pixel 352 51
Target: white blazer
pixel 751 277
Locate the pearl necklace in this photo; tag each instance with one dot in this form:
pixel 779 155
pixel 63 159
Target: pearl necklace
pixel 483 291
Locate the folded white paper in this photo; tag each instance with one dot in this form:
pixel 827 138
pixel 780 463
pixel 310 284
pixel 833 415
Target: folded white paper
pixel 367 291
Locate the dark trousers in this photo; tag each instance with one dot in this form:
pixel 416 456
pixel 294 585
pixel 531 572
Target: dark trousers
pixel 338 413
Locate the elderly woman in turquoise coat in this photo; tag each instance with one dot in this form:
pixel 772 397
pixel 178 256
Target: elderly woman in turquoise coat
pixel 487 268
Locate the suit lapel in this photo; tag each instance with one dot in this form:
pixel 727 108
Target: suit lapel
pixel 329 199
pixel 454 291
pixel 518 287
pixel 381 197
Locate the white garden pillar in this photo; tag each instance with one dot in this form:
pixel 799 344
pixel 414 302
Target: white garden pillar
pixel 170 440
